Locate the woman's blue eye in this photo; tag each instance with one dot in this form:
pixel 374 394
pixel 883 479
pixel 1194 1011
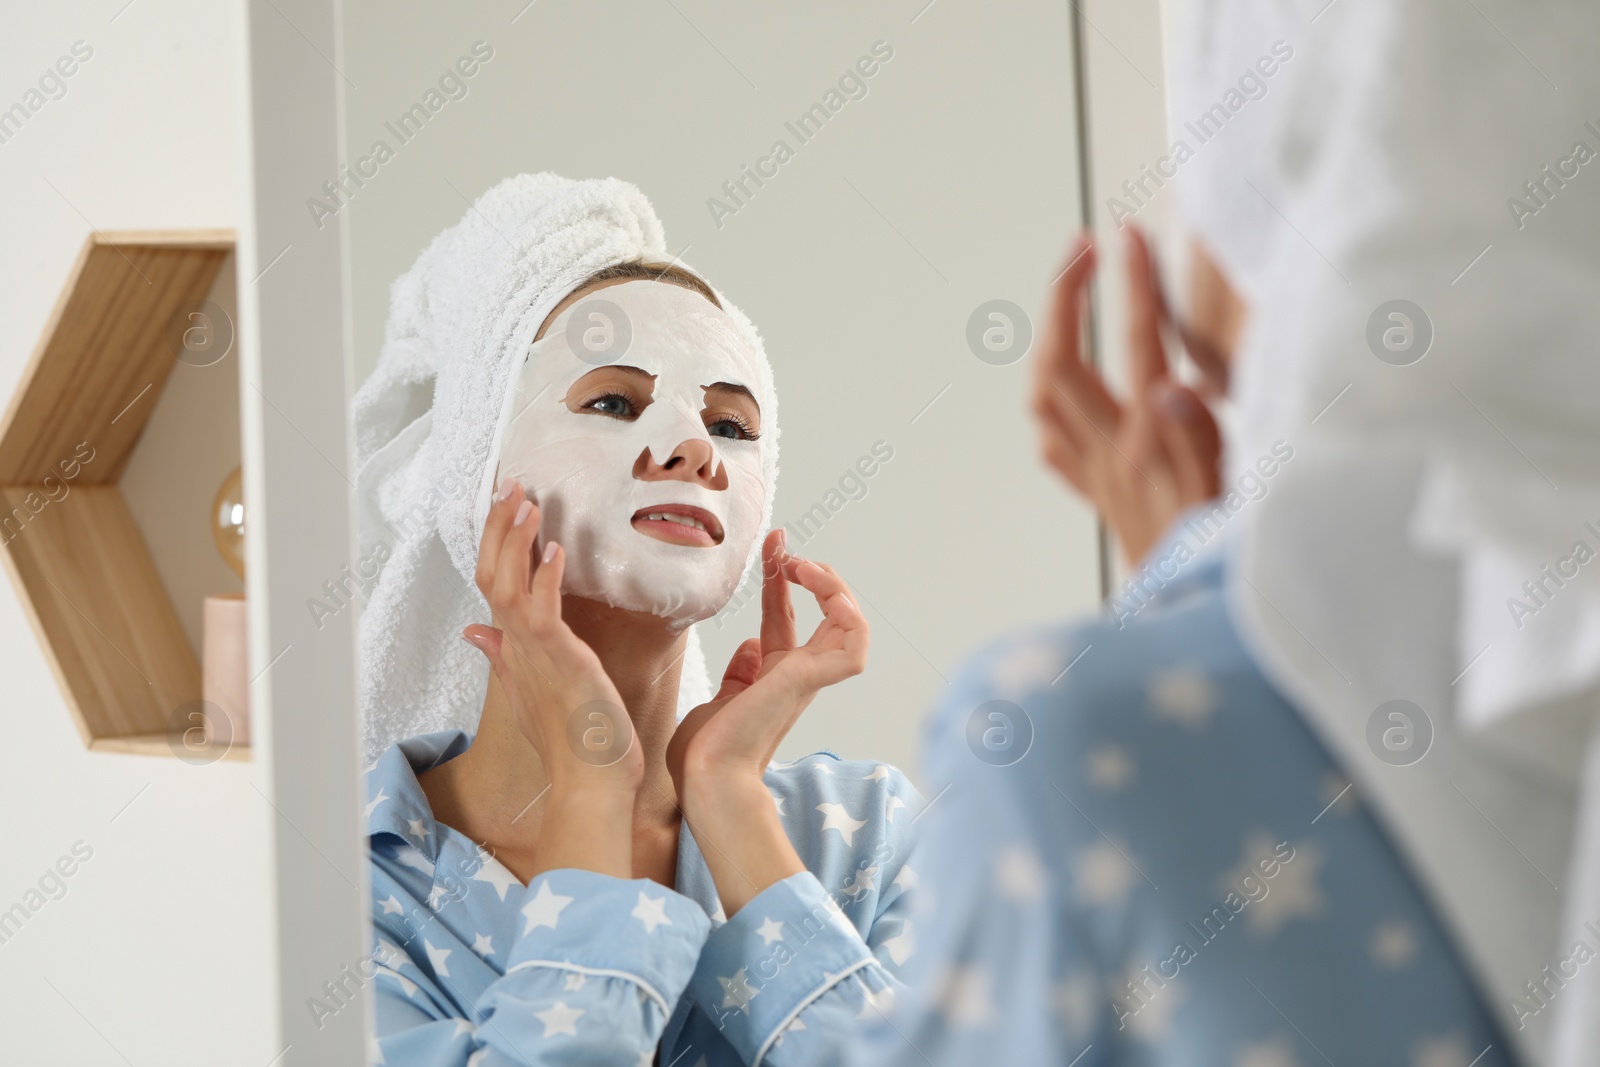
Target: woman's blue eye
pixel 613 404
pixel 732 429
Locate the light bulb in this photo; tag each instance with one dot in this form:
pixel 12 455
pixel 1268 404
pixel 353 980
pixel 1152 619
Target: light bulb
pixel 227 521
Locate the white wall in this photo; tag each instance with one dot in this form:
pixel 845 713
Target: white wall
pixel 161 950
pixel 952 182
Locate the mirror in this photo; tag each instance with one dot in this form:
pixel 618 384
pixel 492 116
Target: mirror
pixel 885 197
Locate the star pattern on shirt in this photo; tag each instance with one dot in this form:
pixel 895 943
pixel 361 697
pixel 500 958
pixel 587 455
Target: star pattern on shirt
pixel 1148 1002
pixel 901 945
pixel 1026 668
pixel 865 881
pixel 906 879
pixel 560 1019
pixel 412 857
pixel 545 908
pixel 1109 767
pixel 1075 999
pixel 1183 695
pixel 372 805
pixel 796 1023
pixel 1393 945
pixel 875 1003
pixel 1103 874
pixel 836 818
pixel 737 992
pixel 431 970
pixel 1291 893
pixel 651 911
pixel 836 913
pixel 962 994
pixel 388 954
pixel 437 957
pixel 407 986
pixel 494 872
pixel 1276 1051
pixel 1018 874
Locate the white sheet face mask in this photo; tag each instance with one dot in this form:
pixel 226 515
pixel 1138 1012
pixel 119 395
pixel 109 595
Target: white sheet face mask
pixel 598 478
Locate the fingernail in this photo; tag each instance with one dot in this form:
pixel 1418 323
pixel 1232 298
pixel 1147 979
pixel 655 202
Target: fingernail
pixel 1173 401
pixel 783 539
pixel 469 640
pixel 508 485
pixel 550 549
pixel 524 509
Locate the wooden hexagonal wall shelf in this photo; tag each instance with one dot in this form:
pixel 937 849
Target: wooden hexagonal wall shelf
pixel 124 652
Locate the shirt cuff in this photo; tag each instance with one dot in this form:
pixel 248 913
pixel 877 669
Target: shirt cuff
pixel 599 926
pixel 785 948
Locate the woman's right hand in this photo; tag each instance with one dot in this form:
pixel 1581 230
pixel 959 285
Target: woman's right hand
pixel 559 693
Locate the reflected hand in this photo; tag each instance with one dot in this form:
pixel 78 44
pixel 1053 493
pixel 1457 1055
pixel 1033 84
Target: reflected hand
pixel 594 763
pixel 770 681
pixel 719 752
pixel 1140 461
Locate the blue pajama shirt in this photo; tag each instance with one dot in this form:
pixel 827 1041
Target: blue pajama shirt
pixel 472 968
pixel 1137 854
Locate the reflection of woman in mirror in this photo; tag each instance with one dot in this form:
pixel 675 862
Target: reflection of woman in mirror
pixel 562 870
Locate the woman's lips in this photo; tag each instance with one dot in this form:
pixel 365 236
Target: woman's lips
pixel 679 524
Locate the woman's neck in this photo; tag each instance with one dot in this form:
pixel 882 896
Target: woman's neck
pixel 491 791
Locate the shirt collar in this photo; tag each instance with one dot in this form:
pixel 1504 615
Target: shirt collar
pixel 396 803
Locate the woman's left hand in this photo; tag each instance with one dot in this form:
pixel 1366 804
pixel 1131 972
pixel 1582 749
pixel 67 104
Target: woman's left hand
pixel 719 752
pixel 1140 459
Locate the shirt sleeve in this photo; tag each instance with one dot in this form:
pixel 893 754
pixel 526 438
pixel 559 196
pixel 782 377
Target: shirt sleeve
pixel 591 979
pixel 789 977
pixel 1005 972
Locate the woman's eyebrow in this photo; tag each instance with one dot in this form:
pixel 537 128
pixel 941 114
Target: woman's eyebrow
pixel 731 387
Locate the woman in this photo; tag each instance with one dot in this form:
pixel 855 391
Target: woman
pixel 584 878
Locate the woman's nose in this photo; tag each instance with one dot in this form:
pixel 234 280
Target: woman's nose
pixel 693 460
